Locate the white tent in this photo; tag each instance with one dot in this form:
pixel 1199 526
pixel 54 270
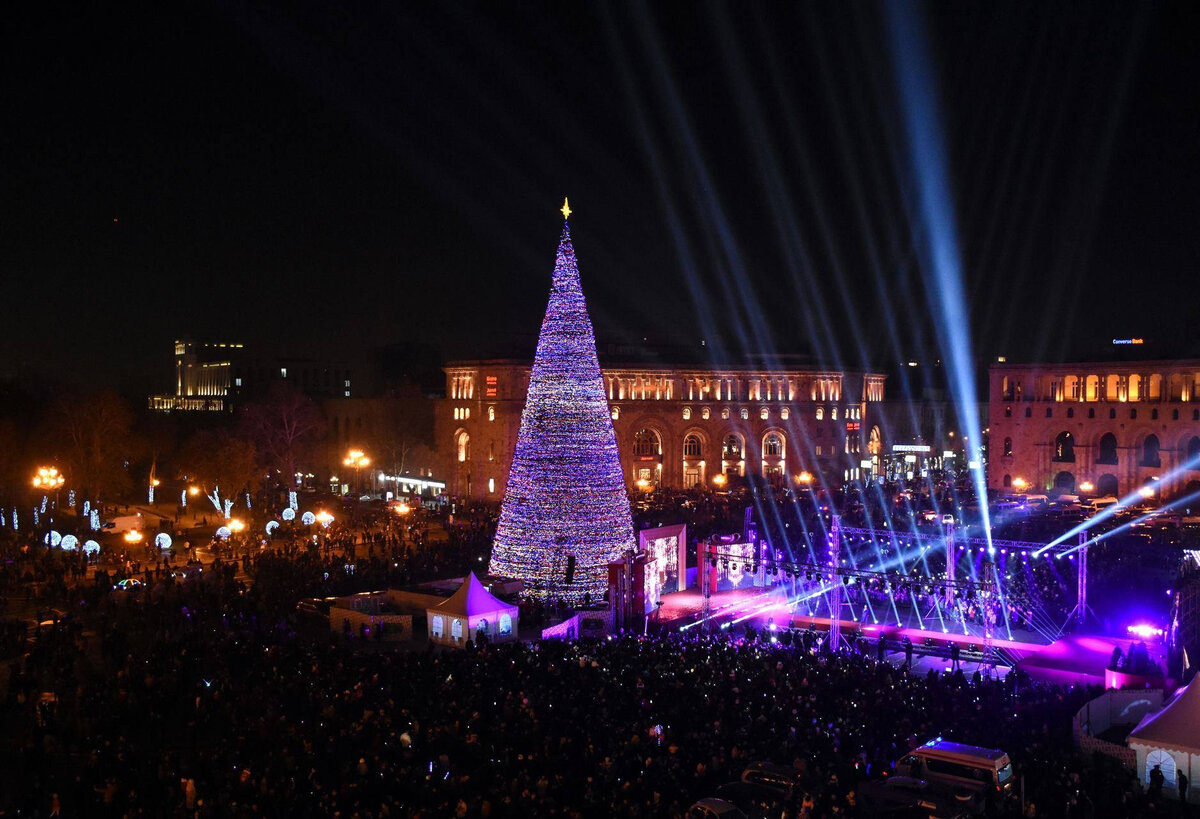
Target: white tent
pixel 471 610
pixel 1170 739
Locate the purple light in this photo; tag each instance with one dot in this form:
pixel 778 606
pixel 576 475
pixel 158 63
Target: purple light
pixel 565 514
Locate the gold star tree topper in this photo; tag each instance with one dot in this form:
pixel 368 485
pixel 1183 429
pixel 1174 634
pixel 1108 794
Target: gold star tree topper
pixel 566 208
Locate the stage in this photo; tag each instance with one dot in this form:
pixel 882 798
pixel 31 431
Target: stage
pixel 1065 660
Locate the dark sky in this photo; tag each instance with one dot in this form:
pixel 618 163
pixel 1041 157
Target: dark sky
pixel 323 180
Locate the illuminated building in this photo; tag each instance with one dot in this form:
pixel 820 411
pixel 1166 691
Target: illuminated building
pixel 213 376
pixel 677 426
pixel 1116 426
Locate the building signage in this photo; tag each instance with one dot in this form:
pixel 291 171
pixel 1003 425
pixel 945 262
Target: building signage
pixel 1122 341
pixel 910 448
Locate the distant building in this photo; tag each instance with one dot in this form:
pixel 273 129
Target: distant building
pixel 215 376
pixel 677 427
pixel 1105 428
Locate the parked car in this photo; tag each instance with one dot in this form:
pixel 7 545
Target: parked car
pixel 715 809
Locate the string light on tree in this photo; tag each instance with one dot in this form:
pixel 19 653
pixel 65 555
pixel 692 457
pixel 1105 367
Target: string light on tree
pixel 565 514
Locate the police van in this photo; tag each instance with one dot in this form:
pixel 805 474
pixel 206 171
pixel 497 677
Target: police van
pixel 953 763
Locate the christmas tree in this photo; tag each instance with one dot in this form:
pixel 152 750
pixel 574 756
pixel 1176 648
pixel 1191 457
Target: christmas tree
pixel 565 514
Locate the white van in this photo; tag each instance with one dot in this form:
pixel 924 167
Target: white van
pixel 953 763
pixel 123 523
pixel 1104 502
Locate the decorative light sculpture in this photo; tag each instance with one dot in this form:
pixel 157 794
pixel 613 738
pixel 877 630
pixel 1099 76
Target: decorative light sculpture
pixel 565 514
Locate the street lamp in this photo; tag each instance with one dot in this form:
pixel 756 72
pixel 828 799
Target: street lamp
pixel 237 525
pixel 324 518
pixel 357 459
pixel 1019 483
pixel 719 480
pixel 804 479
pixel 1086 486
pixel 45 479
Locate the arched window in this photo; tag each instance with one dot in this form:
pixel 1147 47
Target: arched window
pixel 785 413
pixel 1108 485
pixel 1112 388
pixel 646 444
pixel 1135 387
pixel 1064 481
pixel 1007 481
pixel 833 413
pixel 1007 447
pixel 1154 388
pixel 1107 449
pixel 731 450
pixel 437 626
pixel 1193 452
pixel 1070 412
pixel 505 624
pixel 491 413
pixel 820 413
pixel 764 413
pixel 687 413
pixel 462 442
pixel 772 445
pixel 692 447
pixel 1158 758
pixel 1092 388
pixel 616 413
pixel 705 413
pixel 1064 447
pixel 1150 447
pixel 1029 412
pixel 456 629
pixel 745 414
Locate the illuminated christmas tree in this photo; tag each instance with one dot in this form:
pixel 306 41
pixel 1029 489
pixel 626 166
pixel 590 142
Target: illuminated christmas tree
pixel 565 514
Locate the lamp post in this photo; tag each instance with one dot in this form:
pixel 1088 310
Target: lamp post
pixel 45 479
pixel 357 459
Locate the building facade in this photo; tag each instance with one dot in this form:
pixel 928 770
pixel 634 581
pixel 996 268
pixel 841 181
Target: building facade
pixel 1099 428
pixel 216 376
pixel 677 428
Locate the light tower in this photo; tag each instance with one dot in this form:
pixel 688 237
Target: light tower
pixel 565 514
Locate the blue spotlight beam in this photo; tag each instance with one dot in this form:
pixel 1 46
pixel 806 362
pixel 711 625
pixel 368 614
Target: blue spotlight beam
pixel 936 231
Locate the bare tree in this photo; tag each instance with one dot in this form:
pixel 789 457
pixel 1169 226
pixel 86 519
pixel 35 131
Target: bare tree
pixel 224 465
pixel 284 428
pixel 94 440
pixel 401 442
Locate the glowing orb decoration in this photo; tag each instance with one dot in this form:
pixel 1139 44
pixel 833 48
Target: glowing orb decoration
pixel 289 514
pixel 91 547
pixel 69 543
pixel 162 540
pixel 52 538
pixel 224 533
pixel 271 526
pixel 308 518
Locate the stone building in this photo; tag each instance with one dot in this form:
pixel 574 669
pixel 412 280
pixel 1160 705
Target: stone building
pixel 677 428
pixel 1103 428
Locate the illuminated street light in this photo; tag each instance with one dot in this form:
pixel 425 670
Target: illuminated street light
pixel 133 536
pixel 403 509
pixel 1019 483
pixel 48 477
pixel 193 491
pixel 643 484
pixel 324 518
pixel 1146 492
pixel 357 459
pixel 237 525
pixel 719 480
pixel 804 479
pixel 1086 486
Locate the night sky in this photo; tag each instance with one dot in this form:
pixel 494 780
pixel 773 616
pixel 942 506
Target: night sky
pixel 320 181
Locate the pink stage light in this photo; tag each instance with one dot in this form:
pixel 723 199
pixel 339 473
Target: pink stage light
pixel 1144 630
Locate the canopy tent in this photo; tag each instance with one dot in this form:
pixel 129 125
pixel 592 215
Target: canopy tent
pixel 470 611
pixel 1170 739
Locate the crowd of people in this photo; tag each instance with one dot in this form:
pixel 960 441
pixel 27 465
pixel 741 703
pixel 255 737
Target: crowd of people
pixel 201 693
